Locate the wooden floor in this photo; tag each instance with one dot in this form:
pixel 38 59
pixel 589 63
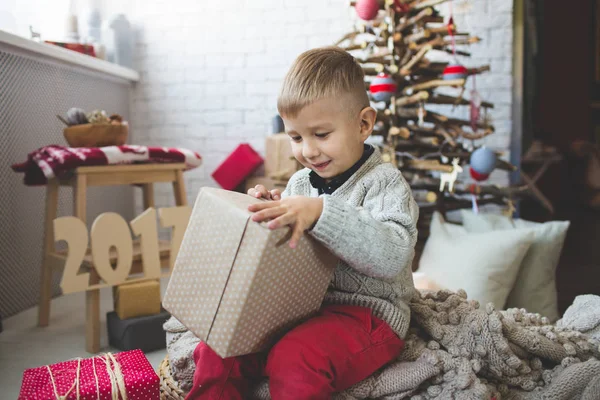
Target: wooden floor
pixel 23 345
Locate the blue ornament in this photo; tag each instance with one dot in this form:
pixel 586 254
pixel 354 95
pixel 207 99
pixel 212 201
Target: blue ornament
pixel 483 160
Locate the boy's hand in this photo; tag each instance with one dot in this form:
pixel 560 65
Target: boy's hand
pixel 259 191
pixel 299 212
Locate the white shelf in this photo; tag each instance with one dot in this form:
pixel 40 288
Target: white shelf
pixel 8 40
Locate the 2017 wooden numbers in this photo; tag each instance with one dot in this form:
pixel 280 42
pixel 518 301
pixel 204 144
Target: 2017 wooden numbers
pixel 111 230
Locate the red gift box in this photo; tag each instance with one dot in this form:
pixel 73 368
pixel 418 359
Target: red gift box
pixel 237 167
pixel 128 372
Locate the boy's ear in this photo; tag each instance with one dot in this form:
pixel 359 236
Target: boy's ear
pixel 368 116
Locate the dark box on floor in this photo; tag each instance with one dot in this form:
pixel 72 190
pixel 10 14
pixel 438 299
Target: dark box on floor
pixel 144 333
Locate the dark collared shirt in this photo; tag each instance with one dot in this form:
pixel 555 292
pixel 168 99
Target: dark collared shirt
pixel 329 187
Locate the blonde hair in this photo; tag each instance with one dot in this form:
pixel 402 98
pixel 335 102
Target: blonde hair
pixel 319 73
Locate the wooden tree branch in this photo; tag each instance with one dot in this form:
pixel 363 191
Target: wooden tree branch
pixel 457 52
pixel 347 36
pixel 408 113
pixel 426 3
pixel 445 99
pixel 436 117
pixel 475 136
pixel 372 70
pixel 406 56
pixel 463 122
pixel 377 59
pixel 433 43
pixel 414 19
pixel 403 132
pixel 463 41
pixel 429 165
pixel 446 135
pixel 405 69
pixel 444 30
pixel 480 70
pixel 415 37
pixel 414 99
pixel 355 46
pixel 480 190
pixel 433 20
pixel 433 84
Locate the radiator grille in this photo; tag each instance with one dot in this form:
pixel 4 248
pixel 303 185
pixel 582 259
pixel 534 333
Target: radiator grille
pixel 32 92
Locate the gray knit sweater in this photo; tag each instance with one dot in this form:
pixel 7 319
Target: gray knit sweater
pixel 370 224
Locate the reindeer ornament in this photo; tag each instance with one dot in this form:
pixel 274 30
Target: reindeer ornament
pixel 450 177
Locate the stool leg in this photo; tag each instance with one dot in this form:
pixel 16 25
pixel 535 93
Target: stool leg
pixel 92 297
pixel 46 269
pixel 179 189
pixel 148 195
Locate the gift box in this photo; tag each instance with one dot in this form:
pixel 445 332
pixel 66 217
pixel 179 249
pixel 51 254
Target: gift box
pixel 144 333
pixel 243 161
pixel 236 284
pixel 128 372
pixel 137 299
pixel 269 183
pixel 280 163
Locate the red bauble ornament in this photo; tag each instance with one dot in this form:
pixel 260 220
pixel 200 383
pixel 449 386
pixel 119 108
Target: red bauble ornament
pixel 477 176
pixel 455 71
pixel 367 9
pixel 383 87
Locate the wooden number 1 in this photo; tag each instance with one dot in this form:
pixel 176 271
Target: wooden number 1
pixel 109 231
pixel 145 226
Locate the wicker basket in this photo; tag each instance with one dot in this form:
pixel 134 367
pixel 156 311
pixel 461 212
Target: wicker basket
pixel 169 389
pixel 96 135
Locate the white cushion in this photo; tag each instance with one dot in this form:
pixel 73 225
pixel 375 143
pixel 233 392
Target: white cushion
pixel 485 265
pixel 535 287
pixel 424 282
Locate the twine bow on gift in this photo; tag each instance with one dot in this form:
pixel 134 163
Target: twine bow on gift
pixel 113 369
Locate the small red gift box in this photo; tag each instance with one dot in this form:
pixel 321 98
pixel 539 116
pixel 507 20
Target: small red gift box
pixel 239 165
pixel 127 373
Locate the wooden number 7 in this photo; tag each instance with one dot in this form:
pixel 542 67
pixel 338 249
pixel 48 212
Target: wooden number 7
pixel 178 218
pixel 111 230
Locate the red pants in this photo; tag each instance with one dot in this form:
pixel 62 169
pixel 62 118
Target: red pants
pixel 339 347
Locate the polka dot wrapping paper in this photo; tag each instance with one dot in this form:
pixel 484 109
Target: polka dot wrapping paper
pixel 236 284
pixel 140 380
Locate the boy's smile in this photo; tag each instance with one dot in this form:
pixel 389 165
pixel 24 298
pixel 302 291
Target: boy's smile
pixel 327 136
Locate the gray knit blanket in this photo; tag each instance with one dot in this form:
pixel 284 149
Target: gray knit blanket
pixel 456 349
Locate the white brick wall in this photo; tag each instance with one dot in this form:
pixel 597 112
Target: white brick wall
pixel 211 70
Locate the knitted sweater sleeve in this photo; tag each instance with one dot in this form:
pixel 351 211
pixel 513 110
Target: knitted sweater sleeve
pixel 376 239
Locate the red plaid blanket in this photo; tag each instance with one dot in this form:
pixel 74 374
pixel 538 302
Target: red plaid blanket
pixel 52 161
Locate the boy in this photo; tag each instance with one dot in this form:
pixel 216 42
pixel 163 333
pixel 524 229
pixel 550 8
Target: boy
pixel 363 211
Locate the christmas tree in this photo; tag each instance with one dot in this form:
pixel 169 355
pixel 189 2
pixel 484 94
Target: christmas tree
pixel 393 41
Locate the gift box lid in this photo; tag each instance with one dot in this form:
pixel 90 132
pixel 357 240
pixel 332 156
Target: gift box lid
pixel 235 282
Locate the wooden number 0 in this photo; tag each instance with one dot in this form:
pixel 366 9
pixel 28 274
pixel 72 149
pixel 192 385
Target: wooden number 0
pixel 111 230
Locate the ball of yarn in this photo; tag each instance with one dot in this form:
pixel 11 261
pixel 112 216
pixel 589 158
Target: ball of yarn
pixel 383 87
pixel 367 9
pixel 455 71
pixel 483 160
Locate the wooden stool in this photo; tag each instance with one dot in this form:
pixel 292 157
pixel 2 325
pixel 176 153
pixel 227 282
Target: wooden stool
pixel 144 175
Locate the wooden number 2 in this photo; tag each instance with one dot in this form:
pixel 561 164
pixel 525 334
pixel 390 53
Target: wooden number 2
pixel 109 231
pixel 75 233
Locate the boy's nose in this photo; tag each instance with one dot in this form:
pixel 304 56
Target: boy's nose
pixel 310 151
